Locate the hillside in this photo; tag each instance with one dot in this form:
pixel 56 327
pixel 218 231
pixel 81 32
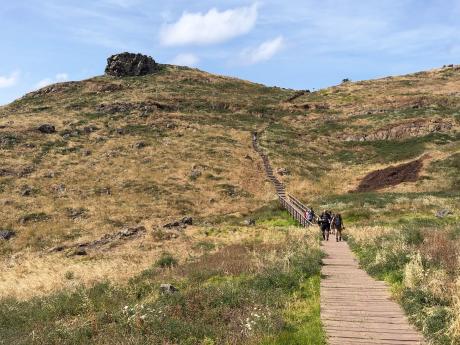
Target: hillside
pixel 130 152
pixel 88 201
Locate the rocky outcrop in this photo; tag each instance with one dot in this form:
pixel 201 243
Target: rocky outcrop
pixel 312 106
pixel 125 234
pixel 47 129
pixel 130 65
pixel 6 234
pixel 404 130
pixel 181 224
pixel 125 107
pixel 53 89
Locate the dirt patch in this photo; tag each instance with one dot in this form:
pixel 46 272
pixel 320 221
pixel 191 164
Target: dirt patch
pixel 391 176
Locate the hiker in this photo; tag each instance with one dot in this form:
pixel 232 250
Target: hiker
pixel 310 215
pixel 324 223
pixel 337 223
pixel 332 231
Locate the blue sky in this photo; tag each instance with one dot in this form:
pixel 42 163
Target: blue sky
pixel 298 44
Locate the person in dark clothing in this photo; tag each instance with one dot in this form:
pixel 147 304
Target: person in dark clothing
pixel 337 224
pixel 324 223
pixel 310 215
pixel 332 230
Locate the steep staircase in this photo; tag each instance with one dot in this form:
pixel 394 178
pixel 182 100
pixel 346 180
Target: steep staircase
pixel 295 208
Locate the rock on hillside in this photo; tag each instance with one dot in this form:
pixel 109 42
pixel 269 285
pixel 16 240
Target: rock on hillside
pixel 130 65
pixel 417 128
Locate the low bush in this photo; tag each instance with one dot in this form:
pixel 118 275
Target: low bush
pixel 166 261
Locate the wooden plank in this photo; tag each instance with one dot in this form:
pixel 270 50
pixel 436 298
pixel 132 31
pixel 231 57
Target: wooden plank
pixel 356 309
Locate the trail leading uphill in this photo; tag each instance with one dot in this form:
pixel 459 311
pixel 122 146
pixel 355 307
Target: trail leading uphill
pixel 355 308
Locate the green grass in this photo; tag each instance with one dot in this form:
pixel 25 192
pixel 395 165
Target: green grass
pixel 303 323
pixel 220 300
pixel 166 260
pixel 374 208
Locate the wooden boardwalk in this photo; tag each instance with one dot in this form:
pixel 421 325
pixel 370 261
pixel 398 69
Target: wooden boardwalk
pixel 356 309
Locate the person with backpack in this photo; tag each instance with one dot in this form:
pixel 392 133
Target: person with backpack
pixel 337 223
pixel 324 223
pixel 332 231
pixel 310 215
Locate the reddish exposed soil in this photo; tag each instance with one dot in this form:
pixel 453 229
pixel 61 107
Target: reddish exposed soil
pixel 391 176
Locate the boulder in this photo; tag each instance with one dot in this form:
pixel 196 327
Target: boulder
pixel 249 222
pixel 128 232
pixel 47 129
pixel 194 174
pixel 6 234
pixel 443 213
pixel 56 249
pixel 26 191
pixel 80 252
pixel 187 221
pixel 140 145
pixel 130 65
pixel 90 129
pixel 168 289
pixel 181 224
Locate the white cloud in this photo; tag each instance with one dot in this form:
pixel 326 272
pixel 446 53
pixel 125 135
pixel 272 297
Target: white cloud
pixel 8 81
pixel 58 78
pixel 186 59
pixel 263 52
pixel 211 27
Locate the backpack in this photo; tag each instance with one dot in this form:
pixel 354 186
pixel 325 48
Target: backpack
pixel 338 221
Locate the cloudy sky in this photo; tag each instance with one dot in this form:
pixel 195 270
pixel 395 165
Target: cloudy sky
pixel 298 44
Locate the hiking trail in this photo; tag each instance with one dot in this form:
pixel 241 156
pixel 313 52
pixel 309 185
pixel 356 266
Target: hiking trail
pixel 355 308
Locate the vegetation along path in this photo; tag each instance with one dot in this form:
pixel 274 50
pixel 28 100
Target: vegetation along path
pixel 355 308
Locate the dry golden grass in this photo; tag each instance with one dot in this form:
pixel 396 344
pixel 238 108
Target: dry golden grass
pixel 205 126
pixel 28 273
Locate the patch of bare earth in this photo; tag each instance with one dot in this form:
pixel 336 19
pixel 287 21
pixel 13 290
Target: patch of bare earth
pixel 391 176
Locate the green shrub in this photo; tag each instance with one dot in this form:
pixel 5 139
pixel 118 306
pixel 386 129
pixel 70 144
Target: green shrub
pixel 166 261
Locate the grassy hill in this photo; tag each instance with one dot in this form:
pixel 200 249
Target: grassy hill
pixel 139 152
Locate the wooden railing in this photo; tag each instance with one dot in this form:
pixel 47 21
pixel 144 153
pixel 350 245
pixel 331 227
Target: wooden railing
pixel 295 208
